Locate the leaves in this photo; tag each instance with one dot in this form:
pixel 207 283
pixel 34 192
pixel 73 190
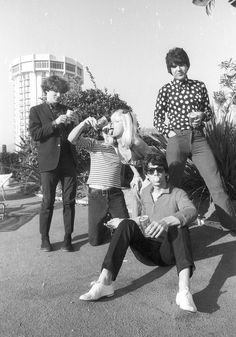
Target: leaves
pixel 221 136
pixel 7 162
pixel 27 168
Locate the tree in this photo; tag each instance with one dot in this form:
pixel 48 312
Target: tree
pixel 225 99
pixel 27 167
pixel 221 132
pixel 8 161
pixel 209 4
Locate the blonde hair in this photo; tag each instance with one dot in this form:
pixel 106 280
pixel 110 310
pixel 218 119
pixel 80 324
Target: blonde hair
pixel 130 126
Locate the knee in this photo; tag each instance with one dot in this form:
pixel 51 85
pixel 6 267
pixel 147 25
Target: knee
pixel 174 232
pixel 70 203
pixel 126 225
pixel 47 203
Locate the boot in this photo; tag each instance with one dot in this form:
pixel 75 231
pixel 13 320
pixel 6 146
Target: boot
pixel 67 246
pixel 45 244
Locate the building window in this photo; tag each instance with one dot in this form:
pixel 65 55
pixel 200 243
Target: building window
pixel 16 68
pixel 55 73
pixel 70 67
pixel 79 71
pixel 26 76
pixel 56 65
pixel 26 83
pixel 41 64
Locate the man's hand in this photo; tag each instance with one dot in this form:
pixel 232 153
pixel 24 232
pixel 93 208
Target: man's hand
pixel 90 121
pixel 171 134
pixel 155 229
pixel 113 223
pixel 198 120
pixel 72 116
pixel 62 119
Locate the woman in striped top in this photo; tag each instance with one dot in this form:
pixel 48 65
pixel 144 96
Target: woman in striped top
pixel 105 197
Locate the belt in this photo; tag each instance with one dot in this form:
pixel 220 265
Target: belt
pixel 195 131
pixel 106 192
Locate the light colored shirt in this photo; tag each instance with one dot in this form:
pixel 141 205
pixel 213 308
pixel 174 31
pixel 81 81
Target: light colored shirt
pixel 171 202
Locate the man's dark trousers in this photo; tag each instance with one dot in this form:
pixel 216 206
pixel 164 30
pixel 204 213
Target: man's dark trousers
pixel 193 144
pixel 66 173
pixel 175 249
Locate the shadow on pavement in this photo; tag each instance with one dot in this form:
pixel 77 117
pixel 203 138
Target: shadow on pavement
pixel 77 242
pixel 17 216
pixel 18 196
pixel 142 281
pixel 203 239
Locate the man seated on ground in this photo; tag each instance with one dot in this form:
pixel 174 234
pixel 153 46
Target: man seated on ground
pixel 164 242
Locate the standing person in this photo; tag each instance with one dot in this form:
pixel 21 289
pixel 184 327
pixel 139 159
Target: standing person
pixel 164 242
pixel 131 149
pixel 179 101
pixel 49 126
pixel 105 197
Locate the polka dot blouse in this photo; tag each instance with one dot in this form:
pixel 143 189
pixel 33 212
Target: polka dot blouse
pixel 175 100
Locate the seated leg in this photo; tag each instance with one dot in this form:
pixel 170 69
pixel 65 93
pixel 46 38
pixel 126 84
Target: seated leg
pixel 176 249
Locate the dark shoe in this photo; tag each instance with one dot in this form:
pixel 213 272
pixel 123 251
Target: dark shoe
pixel 46 245
pixel 67 246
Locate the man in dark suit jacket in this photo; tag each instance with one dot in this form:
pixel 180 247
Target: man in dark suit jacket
pixel 49 125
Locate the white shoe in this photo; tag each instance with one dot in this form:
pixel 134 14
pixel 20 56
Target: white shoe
pixel 184 300
pixel 97 291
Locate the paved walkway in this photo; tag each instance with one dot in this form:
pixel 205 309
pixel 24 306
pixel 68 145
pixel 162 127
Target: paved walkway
pixel 39 292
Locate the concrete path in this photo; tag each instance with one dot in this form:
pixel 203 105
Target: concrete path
pixel 39 292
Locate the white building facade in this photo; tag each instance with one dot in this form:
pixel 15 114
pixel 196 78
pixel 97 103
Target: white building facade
pixel 27 73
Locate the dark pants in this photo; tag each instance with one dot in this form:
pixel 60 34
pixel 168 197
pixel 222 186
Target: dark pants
pixel 174 250
pixel 66 173
pixel 102 206
pixel 194 144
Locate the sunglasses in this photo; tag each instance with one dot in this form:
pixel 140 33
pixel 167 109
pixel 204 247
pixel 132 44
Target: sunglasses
pixel 152 170
pixel 106 130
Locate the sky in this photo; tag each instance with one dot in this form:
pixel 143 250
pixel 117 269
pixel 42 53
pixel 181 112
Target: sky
pixel 123 42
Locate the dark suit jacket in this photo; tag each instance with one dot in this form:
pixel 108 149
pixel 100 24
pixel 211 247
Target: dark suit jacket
pixel 47 136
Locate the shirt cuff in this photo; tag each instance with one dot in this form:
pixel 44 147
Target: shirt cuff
pixel 182 219
pixel 54 124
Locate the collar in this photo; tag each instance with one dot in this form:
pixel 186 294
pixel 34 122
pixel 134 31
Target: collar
pixel 164 190
pixel 52 106
pixel 178 83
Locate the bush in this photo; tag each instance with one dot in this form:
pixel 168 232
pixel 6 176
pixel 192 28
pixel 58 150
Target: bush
pixel 8 160
pixel 222 139
pixel 27 169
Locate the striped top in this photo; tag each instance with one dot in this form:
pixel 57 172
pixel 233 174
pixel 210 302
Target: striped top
pixel 105 166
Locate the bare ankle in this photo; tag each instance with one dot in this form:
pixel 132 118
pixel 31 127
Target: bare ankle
pixel 105 277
